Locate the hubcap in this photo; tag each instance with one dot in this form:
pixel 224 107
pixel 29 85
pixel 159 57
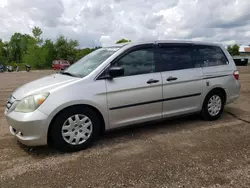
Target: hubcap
pixel 214 105
pixel 77 129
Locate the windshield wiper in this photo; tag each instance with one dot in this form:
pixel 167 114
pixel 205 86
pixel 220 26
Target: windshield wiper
pixel 69 74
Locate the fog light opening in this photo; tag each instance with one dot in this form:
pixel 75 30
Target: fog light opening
pixel 14 130
pixel 20 133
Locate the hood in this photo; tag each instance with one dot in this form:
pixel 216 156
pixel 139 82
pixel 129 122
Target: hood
pixel 44 84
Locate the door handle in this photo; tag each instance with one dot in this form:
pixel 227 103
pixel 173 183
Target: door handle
pixel 151 81
pixel 170 78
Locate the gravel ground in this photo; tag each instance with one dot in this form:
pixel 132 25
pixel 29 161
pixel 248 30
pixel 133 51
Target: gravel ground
pixel 184 152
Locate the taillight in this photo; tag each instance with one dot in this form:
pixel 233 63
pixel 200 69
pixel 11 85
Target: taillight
pixel 236 74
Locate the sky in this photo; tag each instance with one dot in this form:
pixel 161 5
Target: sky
pixel 103 22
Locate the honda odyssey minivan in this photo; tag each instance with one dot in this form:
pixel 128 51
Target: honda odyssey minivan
pixel 122 85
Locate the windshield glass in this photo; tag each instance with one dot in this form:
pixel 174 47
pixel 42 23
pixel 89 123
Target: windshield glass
pixel 90 62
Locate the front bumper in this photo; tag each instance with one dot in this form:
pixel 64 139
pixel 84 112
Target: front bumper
pixel 29 128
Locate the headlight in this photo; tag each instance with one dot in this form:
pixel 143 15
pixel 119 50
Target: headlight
pixel 31 103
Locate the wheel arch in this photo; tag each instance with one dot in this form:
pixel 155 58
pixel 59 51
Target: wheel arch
pixel 102 128
pixel 219 89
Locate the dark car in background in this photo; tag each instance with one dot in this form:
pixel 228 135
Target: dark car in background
pixel 60 64
pixel 2 67
pixel 240 60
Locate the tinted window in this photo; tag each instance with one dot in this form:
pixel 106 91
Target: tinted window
pixel 175 57
pixel 137 62
pixel 206 56
pixel 64 63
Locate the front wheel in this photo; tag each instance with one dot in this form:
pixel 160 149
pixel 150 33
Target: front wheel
pixel 213 106
pixel 75 129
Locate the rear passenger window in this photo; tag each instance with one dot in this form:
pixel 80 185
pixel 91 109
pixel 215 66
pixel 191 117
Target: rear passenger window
pixel 175 58
pixel 206 56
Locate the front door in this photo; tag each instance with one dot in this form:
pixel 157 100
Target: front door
pixel 182 81
pixel 136 96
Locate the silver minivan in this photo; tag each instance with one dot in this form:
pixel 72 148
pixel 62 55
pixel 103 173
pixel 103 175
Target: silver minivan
pixel 122 85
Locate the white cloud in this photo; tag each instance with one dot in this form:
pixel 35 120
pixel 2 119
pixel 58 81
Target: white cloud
pixel 96 22
pixel 106 40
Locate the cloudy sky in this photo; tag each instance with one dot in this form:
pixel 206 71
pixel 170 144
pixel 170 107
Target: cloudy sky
pixel 102 22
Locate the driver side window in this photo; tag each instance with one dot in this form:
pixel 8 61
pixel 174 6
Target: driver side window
pixel 139 61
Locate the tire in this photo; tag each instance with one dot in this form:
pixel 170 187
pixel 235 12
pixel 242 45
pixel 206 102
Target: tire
pixel 210 109
pixel 62 122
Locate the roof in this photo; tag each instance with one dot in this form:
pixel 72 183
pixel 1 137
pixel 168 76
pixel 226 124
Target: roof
pixel 117 45
pixel 188 42
pixel 247 49
pixel 60 60
pixel 165 41
pixel 244 48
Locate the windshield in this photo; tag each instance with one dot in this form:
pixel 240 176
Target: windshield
pixel 90 62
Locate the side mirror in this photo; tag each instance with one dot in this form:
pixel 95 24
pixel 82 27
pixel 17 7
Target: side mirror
pixel 116 72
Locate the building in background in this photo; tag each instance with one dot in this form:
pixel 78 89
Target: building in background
pixel 245 50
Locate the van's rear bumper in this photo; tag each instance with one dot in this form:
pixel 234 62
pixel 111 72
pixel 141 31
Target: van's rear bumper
pixel 234 93
pixel 232 99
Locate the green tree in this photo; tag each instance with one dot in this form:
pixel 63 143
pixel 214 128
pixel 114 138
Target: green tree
pixel 61 47
pixel 35 55
pixel 51 52
pixel 233 50
pixel 82 52
pixel 17 47
pixel 122 41
pixel 15 53
pixel 3 53
pixel 37 32
pixel 33 50
pixel 66 49
pixel 24 44
pixel 71 54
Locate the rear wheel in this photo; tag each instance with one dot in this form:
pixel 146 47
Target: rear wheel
pixel 75 129
pixel 213 106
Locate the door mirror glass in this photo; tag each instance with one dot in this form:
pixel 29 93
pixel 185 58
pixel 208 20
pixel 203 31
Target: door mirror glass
pixel 116 71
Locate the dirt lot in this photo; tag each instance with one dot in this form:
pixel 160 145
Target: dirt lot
pixel 186 152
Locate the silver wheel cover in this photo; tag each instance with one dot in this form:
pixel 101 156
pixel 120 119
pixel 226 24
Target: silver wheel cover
pixel 214 105
pixel 77 129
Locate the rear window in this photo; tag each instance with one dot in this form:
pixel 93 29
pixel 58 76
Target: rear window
pixel 64 63
pixel 206 56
